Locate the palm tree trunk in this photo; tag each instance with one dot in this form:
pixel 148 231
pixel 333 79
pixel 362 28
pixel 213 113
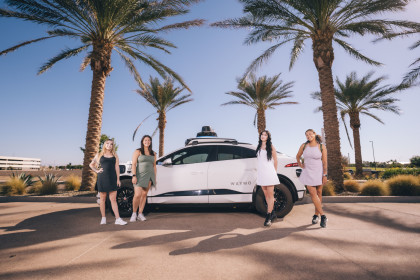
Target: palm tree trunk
pixel 93 133
pixel 355 126
pixel 323 56
pixel 260 120
pixel 101 67
pixel 162 125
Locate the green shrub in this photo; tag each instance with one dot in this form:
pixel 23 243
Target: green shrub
pixel 73 183
pixel 374 188
pixel 13 186
pixel 351 186
pixel 392 172
pixel 328 189
pixel 48 184
pixel 404 185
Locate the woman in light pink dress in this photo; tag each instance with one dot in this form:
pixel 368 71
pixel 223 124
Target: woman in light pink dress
pixel 314 171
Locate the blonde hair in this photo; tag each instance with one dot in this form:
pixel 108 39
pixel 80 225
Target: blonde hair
pixel 102 151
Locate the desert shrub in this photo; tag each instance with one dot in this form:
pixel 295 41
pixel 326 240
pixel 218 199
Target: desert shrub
pixel 404 185
pixel 374 188
pixel 13 186
pixel 73 183
pixel 351 186
pixel 5 189
pixel 28 180
pixel 347 176
pixel 48 184
pixel 328 189
pixel 392 172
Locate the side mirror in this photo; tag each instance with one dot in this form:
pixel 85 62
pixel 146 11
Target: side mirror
pixel 167 162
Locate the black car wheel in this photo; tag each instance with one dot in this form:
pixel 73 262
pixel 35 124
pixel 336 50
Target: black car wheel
pixel 283 202
pixel 125 196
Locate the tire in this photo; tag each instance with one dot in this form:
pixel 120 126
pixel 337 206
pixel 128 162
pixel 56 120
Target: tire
pixel 283 202
pixel 125 196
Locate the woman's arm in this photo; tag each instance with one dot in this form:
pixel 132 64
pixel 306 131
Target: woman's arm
pixel 93 164
pixel 324 164
pixel 154 167
pixel 274 156
pixel 117 170
pixel 136 155
pixel 299 155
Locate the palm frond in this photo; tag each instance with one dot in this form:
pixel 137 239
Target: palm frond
pixel 135 131
pixel 356 53
pixel 24 44
pixel 67 53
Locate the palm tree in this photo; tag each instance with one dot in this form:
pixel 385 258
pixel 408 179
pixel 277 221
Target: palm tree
pixel 261 94
pixel 164 97
pixel 360 96
pixel 323 22
pixel 104 27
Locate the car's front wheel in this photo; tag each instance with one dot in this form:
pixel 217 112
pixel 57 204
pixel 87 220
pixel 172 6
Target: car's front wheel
pixel 283 202
pixel 125 196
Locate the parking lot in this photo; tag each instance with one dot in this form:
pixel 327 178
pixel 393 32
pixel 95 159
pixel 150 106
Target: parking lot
pixel 63 240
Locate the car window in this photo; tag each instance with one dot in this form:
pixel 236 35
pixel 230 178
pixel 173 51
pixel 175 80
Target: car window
pixel 234 152
pixel 192 155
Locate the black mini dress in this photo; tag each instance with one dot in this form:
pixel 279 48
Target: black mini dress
pixel 107 180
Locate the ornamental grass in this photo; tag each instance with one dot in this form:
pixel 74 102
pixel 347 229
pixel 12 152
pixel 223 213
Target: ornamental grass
pixel 404 185
pixel 374 188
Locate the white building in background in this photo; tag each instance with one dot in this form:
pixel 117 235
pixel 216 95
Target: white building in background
pixel 19 163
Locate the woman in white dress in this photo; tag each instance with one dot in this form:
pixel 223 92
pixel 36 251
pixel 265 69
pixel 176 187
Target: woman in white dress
pixel 314 171
pixel 267 172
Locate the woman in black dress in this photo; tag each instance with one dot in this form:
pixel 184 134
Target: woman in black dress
pixel 106 164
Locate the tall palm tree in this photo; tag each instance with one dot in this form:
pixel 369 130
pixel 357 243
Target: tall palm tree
pixel 164 97
pixel 323 22
pixel 261 94
pixel 361 96
pixel 104 27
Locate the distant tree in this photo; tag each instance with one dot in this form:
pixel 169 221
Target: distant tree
pixel 261 94
pixel 415 160
pixel 163 97
pixel 356 97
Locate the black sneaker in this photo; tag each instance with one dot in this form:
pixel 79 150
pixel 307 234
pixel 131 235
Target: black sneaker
pixel 273 216
pixel 324 221
pixel 267 222
pixel 315 219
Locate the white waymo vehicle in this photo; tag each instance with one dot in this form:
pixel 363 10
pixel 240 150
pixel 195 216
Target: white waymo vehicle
pixel 214 171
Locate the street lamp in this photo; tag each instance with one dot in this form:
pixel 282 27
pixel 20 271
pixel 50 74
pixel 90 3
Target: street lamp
pixel 373 150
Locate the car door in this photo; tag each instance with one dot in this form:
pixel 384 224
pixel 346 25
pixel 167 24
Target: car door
pixel 184 180
pixel 232 178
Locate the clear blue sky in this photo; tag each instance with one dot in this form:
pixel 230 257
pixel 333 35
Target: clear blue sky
pixel 45 116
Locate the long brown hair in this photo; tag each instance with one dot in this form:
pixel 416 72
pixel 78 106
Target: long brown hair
pixel 141 149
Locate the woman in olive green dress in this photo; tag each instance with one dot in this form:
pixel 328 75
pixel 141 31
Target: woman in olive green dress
pixel 144 176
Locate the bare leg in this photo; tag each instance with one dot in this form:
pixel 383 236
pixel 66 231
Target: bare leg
pixel 143 197
pixel 319 193
pixel 102 196
pixel 113 199
pixel 136 198
pixel 315 200
pixel 269 197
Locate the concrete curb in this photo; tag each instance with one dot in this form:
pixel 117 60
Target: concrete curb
pixel 58 199
pixel 363 199
pixel 305 200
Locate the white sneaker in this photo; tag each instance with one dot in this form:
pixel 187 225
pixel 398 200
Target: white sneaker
pixel 133 217
pixel 141 217
pixel 120 222
pixel 103 221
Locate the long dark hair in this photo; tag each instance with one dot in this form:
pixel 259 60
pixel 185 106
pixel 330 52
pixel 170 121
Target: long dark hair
pixel 318 138
pixel 151 152
pixel 268 145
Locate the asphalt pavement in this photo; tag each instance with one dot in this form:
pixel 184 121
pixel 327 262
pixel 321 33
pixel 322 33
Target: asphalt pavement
pixel 63 240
